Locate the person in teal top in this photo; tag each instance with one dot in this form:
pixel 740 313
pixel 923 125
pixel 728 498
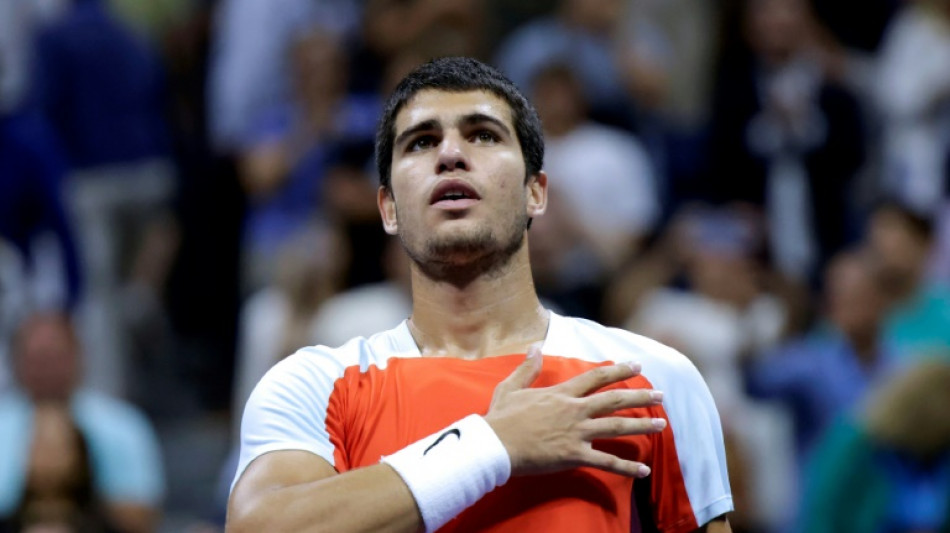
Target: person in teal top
pixel 902 240
pixel 921 325
pixel 886 470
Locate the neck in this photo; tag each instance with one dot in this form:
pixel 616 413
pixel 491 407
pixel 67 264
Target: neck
pixel 493 314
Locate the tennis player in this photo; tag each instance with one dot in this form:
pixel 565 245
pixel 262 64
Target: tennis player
pixel 483 411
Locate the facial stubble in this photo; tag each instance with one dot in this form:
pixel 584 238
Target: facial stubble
pixel 462 257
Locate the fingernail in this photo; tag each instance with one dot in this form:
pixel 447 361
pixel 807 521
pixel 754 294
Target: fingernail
pixel 634 366
pixel 643 471
pixel 659 423
pixel 656 396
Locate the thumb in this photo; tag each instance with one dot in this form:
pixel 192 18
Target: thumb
pixel 525 374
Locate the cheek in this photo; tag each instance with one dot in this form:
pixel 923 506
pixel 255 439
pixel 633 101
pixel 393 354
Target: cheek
pixel 507 172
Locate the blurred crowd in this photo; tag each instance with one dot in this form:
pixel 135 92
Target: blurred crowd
pixel 188 194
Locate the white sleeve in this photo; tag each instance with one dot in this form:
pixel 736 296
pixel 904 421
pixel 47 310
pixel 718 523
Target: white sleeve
pixel 288 409
pixel 697 438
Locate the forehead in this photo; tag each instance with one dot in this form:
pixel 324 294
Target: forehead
pixel 446 107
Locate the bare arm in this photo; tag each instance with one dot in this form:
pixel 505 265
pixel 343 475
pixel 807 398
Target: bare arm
pixel 299 491
pixel 717 525
pixel 543 430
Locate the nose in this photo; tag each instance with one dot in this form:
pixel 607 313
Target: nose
pixel 452 155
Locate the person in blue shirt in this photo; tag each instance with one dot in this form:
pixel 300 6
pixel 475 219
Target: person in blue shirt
pixel 31 205
pixel 123 447
pixel 828 370
pixel 101 87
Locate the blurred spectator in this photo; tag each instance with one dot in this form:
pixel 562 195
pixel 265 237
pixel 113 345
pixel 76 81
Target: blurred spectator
pixel 101 87
pixel 888 468
pixel 278 319
pixel 604 179
pixel 207 260
pixel 902 241
pixel 367 309
pixel 725 312
pixel 430 28
pixel 154 19
pixel 912 89
pixel 126 461
pixel 678 41
pixel 847 46
pixel 863 33
pixel 785 138
pixel 350 191
pixel 39 267
pixel 249 76
pixel 679 63
pixel 554 240
pixel 287 155
pixel 612 66
pixel 59 494
pixel 20 20
pixel 828 370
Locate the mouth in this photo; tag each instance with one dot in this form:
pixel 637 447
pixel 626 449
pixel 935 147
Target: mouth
pixel 453 194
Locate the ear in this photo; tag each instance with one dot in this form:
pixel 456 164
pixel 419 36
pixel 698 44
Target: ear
pixel 537 189
pixel 387 210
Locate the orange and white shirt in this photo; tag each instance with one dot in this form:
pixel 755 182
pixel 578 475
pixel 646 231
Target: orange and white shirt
pixel 371 397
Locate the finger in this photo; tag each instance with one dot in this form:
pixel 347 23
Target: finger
pixel 606 402
pixel 612 463
pixel 598 378
pixel 619 426
pixel 525 374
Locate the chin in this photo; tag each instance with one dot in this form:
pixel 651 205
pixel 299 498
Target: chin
pixel 461 246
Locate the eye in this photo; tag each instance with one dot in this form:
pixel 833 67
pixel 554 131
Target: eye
pixel 421 143
pixel 485 137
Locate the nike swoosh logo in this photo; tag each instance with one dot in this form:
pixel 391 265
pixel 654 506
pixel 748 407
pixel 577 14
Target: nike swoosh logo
pixel 448 432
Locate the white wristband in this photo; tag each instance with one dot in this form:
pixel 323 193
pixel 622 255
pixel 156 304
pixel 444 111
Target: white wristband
pixel 448 471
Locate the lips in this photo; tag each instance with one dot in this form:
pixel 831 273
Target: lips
pixel 453 194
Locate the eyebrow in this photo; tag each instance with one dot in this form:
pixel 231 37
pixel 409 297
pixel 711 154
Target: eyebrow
pixel 425 125
pixel 467 120
pixel 476 118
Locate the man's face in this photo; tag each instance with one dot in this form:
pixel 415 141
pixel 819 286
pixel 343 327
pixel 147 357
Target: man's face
pixel 902 252
pixel 458 200
pixel 855 303
pixel 47 359
pixel 775 27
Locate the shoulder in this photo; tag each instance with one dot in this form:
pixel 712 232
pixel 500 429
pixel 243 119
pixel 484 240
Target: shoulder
pixel 109 419
pixel 290 406
pixel 88 403
pixel 313 371
pixel 586 339
pixel 937 293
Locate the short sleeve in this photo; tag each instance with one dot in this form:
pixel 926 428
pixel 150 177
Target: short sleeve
pixel 690 484
pixel 288 409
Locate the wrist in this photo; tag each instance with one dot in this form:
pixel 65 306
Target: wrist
pixel 450 470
